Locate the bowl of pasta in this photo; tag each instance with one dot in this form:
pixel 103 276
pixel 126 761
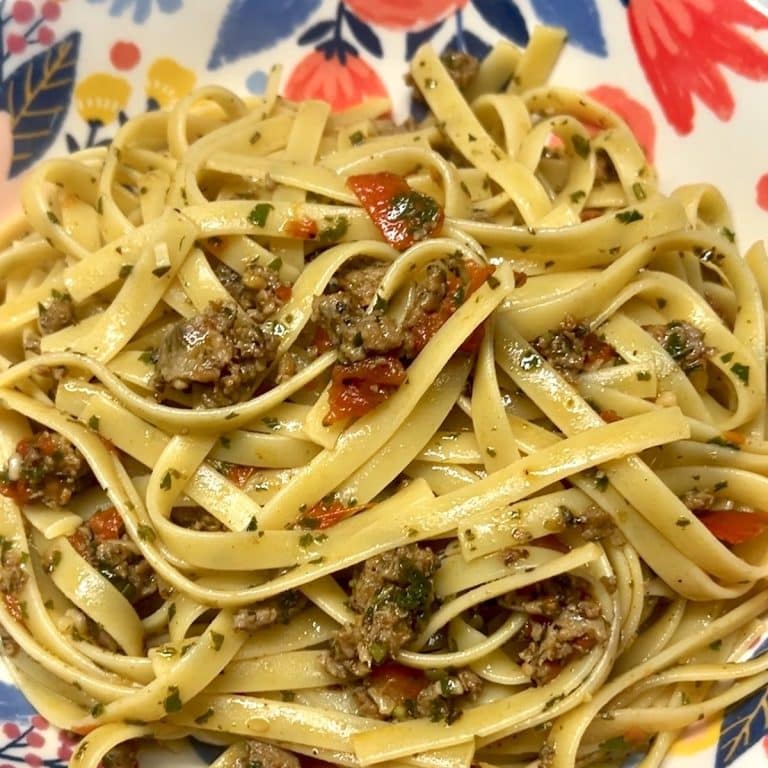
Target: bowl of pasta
pixel 383 383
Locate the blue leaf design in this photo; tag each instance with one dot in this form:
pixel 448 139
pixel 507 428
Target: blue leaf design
pixel 13 705
pixel 37 95
pixel 316 32
pixel 470 43
pixel 744 724
pixel 414 39
pixel 580 17
pixel 250 26
pixel 364 34
pixel 505 17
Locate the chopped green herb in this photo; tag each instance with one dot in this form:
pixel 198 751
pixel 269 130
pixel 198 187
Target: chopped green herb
pixel 53 218
pixel 493 281
pixel 378 652
pixel 146 532
pixel 381 304
pixel 53 561
pixel 430 83
pixel 259 214
pixel 358 137
pixel 125 271
pixel 231 415
pixel 225 441
pixel 166 481
pixel 306 540
pixel 727 357
pixel 172 700
pixel 643 375
pixel 742 371
pixel 255 136
pixel 253 525
pixel 147 356
pixel 336 229
pixel 721 485
pixel 530 361
pixel 217 640
pixel 716 645
pixel 205 717
pixel 578 195
pixel 661 303
pixel 627 217
pixel 160 271
pixel 93 423
pixel 728 234
pixel 491 452
pixel 682 522
pixel 580 144
pixel 721 441
pixel 639 191
pixel 275 264
pixel 288 695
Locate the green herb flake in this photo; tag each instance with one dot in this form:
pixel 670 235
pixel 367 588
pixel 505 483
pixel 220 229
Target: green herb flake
pixel 492 281
pixel 727 357
pixel 742 371
pixel 53 218
pixel 253 525
pixel 146 532
pixel 358 137
pixel 336 229
pixel 160 271
pixel 93 423
pixel 225 441
pixel 259 214
pixel 723 443
pixel 728 234
pixel 721 485
pixel 643 375
pixel 288 696
pixel 627 217
pixel 639 191
pixel 255 136
pixel 172 701
pixel 166 481
pixel 661 303
pixel 97 710
pixel 381 304
pixel 147 356
pixel 580 145
pixel 125 271
pixel 217 640
pixel 491 452
pixel 617 744
pixel 306 540
pixel 530 361
pixel 716 645
pixel 578 196
pixel 682 522
pixel 275 264
pixel 53 561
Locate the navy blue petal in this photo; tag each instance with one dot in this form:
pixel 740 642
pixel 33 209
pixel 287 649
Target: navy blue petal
pixel 250 26
pixel 364 34
pixel 580 17
pixel 744 724
pixel 414 39
pixel 316 32
pixel 13 705
pixel 505 17
pixel 469 43
pixel 37 96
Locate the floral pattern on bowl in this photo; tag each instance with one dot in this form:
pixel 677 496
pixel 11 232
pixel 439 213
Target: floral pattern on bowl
pixel 689 76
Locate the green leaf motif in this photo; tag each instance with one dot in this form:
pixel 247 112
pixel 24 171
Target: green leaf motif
pixel 37 95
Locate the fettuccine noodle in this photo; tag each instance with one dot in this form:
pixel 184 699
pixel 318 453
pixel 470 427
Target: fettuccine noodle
pixel 431 445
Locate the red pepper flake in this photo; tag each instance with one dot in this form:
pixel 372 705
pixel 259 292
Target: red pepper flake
pixel 239 474
pixel 326 514
pixel 403 215
pixel 321 340
pixel 609 415
pixel 302 229
pixel 359 387
pixel 283 292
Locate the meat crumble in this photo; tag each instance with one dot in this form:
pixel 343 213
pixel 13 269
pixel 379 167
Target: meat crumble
pixel 266 613
pixel 220 354
pixel 574 348
pixel 45 468
pixel 683 342
pixel 56 313
pixel 259 754
pixel 392 595
pixel 564 623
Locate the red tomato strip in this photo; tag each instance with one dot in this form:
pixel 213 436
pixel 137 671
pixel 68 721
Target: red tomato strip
pixel 325 514
pixel 395 681
pixel 107 524
pixel 731 526
pixel 403 215
pixel 359 387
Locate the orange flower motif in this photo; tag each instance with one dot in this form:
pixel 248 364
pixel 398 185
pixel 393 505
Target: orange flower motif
pixel 100 97
pixel 168 81
pixel 410 15
pixel 634 114
pixel 341 85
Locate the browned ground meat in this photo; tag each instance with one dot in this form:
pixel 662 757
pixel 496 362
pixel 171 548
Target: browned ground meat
pixel 45 468
pixel 271 611
pixel 293 361
pixel 82 627
pixel 706 501
pixel 256 290
pixel 564 622
pixel 259 754
pixel 13 574
pixel 119 560
pixel 442 699
pixel 683 342
pixel 219 354
pixel 392 594
pixel 594 523
pixel 196 519
pixel 573 348
pixel 362 281
pixel 56 313
pixel 124 755
pixel 461 66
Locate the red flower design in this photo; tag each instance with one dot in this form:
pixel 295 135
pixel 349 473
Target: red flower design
pixel 762 191
pixel 682 45
pixel 409 15
pixel 634 114
pixel 318 76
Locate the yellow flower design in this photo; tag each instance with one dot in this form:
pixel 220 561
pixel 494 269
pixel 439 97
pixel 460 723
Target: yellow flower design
pixel 168 81
pixel 100 97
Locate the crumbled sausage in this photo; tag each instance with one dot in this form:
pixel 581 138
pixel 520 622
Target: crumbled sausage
pixel 81 627
pixel 271 611
pixel 258 290
pixel 123 755
pixel 196 519
pixel 119 560
pixel 593 523
pixel 461 66
pixel 683 342
pixel 259 754
pixel 293 361
pixel 564 622
pixel 219 354
pixel 56 313
pixel 573 348
pixel 13 574
pixel 45 468
pixel 361 281
pixel 392 594
pixel 706 501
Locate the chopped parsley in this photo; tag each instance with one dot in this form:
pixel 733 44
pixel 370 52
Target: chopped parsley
pixel 728 234
pixel 742 371
pixel 259 214
pixel 580 145
pixel 639 191
pixel 125 270
pixel 217 640
pixel 336 229
pixel 627 217
pixel 93 423
pixel 172 701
